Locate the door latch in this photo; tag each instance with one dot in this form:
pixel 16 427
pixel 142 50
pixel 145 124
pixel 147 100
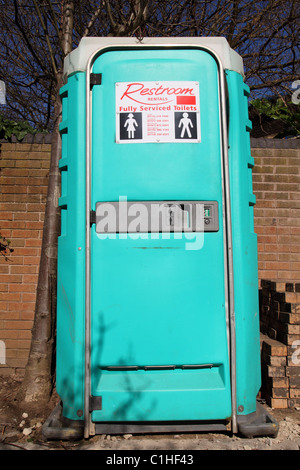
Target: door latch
pixel 95 79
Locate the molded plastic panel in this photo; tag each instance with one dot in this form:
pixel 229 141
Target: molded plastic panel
pixel 158 299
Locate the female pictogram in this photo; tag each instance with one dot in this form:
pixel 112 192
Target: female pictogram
pixel 131 126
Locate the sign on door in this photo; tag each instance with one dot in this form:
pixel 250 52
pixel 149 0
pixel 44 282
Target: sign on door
pixel 157 112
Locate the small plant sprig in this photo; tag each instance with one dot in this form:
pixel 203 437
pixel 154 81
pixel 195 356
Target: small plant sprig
pixel 5 249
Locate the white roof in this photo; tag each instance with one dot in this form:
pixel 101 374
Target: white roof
pixel 78 59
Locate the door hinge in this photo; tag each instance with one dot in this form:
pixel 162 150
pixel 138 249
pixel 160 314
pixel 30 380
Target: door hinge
pixel 95 403
pixel 92 217
pixel 95 79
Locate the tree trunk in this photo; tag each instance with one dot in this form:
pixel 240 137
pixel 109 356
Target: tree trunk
pixel 38 381
pixel 39 374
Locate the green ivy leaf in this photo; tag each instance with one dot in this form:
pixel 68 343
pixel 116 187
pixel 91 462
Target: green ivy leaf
pixel 8 128
pixel 279 110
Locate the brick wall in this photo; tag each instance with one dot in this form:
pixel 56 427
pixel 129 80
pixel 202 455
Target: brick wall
pixel 276 179
pixel 23 188
pixel 280 327
pixel 24 170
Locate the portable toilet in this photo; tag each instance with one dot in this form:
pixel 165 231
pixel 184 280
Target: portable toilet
pixel 157 303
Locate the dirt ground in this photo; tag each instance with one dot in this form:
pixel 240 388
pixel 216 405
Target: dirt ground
pixel 21 429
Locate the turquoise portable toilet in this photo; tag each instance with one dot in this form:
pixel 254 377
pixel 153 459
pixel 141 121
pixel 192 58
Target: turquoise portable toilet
pixel 157 313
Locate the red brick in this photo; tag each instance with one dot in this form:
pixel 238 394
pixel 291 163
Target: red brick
pixel 277 403
pixel 13 258
pixel 275 371
pixel 14 172
pixel 10 278
pixel 10 297
pixel 273 347
pixel 292 297
pixel 7 334
pixel 26 297
pixel 22 288
pixel 24 269
pixel 14 189
pixel 12 225
pixel 34 225
pixel 26 251
pixel 7 234
pixel 4 269
pixel 278 382
pixel 25 234
pixel 21 306
pixel 25 334
pixel 280 393
pixel 3 305
pixel 277 193
pixel 4 206
pixel 35 207
pixel 287 170
pixel 33 242
pixel 9 315
pixel 278 265
pixel 27 164
pixel 27 315
pixel 27 216
pixel 31 260
pixel 18 362
pixel 18 325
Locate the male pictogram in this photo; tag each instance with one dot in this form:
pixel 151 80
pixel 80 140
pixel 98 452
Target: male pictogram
pixel 186 124
pixel 131 126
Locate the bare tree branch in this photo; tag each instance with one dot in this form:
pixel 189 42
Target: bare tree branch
pixel 265 34
pixel 46 36
pixel 92 21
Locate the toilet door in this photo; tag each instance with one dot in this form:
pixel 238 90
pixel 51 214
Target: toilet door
pixel 159 337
